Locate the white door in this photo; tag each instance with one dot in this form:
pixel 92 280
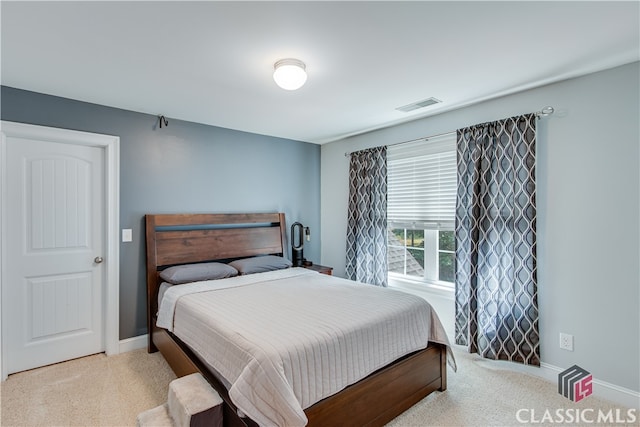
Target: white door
pixel 53 286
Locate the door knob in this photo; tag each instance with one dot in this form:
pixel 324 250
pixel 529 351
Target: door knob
pixel 98 259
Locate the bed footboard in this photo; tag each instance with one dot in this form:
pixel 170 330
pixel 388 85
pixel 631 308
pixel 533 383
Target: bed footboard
pixel 373 401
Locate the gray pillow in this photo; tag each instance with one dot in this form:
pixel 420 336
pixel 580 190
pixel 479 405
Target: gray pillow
pixel 260 264
pixel 179 274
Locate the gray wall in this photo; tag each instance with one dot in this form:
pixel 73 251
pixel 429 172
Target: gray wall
pixel 185 167
pixel 588 212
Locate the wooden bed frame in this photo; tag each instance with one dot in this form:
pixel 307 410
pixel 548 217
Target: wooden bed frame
pixel 189 238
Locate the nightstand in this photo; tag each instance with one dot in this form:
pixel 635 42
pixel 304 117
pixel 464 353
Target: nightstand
pixel 320 269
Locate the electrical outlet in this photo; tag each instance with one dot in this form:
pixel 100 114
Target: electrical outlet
pixel 566 341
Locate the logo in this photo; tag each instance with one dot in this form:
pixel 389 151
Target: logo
pixel 575 383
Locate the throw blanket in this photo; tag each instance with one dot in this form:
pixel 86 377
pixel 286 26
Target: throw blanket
pixel 287 339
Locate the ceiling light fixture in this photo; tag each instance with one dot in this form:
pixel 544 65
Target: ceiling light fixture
pixel 289 73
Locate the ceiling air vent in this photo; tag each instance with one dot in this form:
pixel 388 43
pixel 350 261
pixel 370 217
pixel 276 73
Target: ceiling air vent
pixel 419 104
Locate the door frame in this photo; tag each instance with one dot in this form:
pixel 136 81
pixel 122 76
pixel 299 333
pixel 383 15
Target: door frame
pixel 111 146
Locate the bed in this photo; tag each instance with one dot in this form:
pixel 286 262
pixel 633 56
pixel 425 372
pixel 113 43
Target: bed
pixel 178 239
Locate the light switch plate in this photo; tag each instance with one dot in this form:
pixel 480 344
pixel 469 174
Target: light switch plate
pixel 127 235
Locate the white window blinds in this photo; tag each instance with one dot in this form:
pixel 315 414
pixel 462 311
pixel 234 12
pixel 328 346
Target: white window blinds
pixel 421 184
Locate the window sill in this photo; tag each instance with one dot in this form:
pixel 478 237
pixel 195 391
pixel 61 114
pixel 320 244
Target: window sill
pixel 428 288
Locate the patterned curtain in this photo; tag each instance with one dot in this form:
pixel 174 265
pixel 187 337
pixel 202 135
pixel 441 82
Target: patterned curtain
pixel 367 217
pixel 496 283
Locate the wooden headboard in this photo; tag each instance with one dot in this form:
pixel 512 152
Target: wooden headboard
pixel 174 239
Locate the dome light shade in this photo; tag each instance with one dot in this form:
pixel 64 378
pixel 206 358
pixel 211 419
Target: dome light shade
pixel 289 74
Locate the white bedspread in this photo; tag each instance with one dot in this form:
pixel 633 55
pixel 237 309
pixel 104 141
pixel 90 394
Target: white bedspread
pixel 287 339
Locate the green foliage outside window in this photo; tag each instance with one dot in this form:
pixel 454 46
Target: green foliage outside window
pixel 446 260
pixel 447 241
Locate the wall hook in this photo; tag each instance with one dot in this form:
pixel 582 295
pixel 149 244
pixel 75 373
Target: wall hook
pixel 163 119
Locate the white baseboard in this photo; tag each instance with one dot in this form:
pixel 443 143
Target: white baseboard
pixel 134 343
pixel 611 392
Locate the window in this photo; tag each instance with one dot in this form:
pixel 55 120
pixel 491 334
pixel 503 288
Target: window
pixel 421 210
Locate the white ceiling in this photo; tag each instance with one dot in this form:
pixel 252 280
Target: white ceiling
pixel 212 62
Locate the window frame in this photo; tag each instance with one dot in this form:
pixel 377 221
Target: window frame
pixel 431 258
pixel 436 147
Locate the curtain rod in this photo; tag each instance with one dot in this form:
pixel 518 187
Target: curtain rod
pixel 546 111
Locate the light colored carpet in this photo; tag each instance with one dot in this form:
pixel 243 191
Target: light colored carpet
pixel 92 391
pixel 111 391
pixel 486 393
